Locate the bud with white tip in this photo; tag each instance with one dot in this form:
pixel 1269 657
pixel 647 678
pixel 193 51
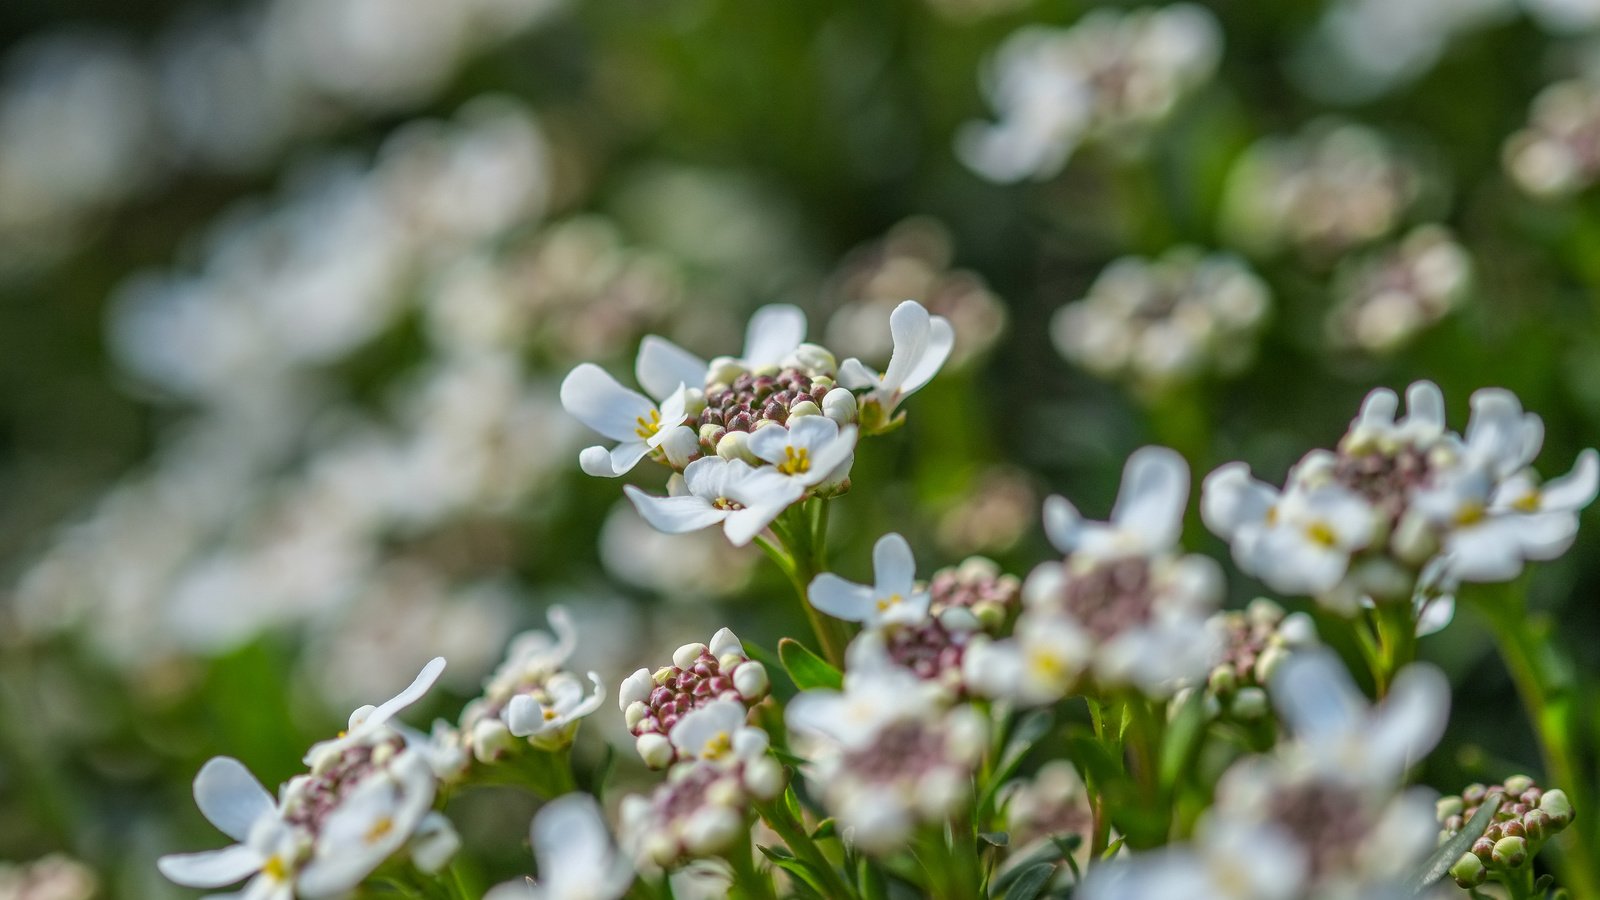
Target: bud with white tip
pixel 839 405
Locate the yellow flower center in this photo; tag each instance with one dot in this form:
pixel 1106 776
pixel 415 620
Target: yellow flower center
pixel 275 868
pixel 383 826
pixel 549 714
pixel 1322 534
pixel 796 460
pixel 1528 503
pixel 648 427
pixel 1470 514
pixel 1046 665
pixel 891 600
pixel 717 746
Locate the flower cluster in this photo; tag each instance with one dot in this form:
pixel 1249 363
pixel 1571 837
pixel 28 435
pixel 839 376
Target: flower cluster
pixel 1108 78
pixel 1324 816
pixel 653 703
pixel 1333 187
pixel 887 753
pixel 1257 640
pixel 1158 323
pixel 1554 156
pixel 367 796
pixel 1124 608
pixel 1386 299
pixel 1525 817
pixel 531 695
pixel 749 436
pixel 1403 508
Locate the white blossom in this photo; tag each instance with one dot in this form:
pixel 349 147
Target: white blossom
pixel 893 597
pixel 577 859
pixel 590 395
pixel 742 498
pixel 813 450
pixel 922 343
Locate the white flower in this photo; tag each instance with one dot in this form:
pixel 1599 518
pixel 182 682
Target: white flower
pixel 577 860
pixel 812 450
pixel 548 717
pixel 1147 518
pixel 717 732
pixel 234 801
pixel 1299 541
pixel 590 395
pixel 1345 737
pixel 369 721
pixel 774 333
pixel 1036 666
pixel 893 597
pixel 1228 862
pixel 922 343
pixel 743 498
pixel 374 820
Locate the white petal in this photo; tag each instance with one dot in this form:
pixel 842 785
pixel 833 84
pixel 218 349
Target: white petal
pixel 1378 409
pixel 211 868
pixel 590 395
pixel 841 599
pixel 1412 718
pixel 230 797
pixel 725 642
pixel 709 476
pixel 701 727
pixel 674 515
pixel 412 693
pixel 770 442
pixel 1155 491
pixel 855 374
pixel 894 568
pixel 572 845
pixel 1315 696
pixel 524 716
pixel 773 333
pixel 1488 552
pixel 1576 489
pixel 662 365
pixel 1425 407
pixel 1062 523
pixel 921 345
pixel 1231 499
pixel 743 525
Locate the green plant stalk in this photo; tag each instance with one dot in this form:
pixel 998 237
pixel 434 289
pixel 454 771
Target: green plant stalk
pixel 801 552
pixel 749 882
pixel 1101 828
pixel 777 816
pixel 1396 628
pixel 1547 696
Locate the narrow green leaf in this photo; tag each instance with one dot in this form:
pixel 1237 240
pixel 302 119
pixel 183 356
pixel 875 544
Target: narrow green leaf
pixel 1438 865
pixel 1183 735
pixel 1046 854
pixel 994 838
pixel 824 830
pixel 808 670
pixel 1032 882
pixel 1112 848
pixel 799 868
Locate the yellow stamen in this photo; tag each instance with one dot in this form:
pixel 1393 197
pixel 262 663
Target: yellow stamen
pixel 718 746
pixel 891 600
pixel 1528 502
pixel 275 868
pixel 1321 533
pixel 648 428
pixel 795 461
pixel 1470 514
pixel 379 828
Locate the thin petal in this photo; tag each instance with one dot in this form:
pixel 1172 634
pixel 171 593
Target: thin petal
pixel 571 844
pixel 662 365
pixel 1576 489
pixel 230 797
pixel 1230 499
pixel 211 868
pixel 773 333
pixel 1412 718
pixel 674 515
pixel 590 395
pixel 1062 523
pixel 855 374
pixel 894 568
pixel 412 693
pixel 841 599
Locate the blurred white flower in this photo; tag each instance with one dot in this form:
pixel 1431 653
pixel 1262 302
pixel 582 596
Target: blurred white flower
pixel 1110 77
pixel 531 695
pixel 922 342
pixel 1385 300
pixel 577 860
pixel 1552 155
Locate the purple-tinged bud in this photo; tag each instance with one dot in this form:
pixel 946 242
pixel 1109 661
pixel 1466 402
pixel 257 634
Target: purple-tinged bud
pixel 1556 805
pixel 1448 807
pixel 1516 784
pixel 1513 829
pixel 1493 832
pixel 1537 825
pixel 1483 849
pixel 1474 794
pixel 654 749
pixel 1510 852
pixel 1531 797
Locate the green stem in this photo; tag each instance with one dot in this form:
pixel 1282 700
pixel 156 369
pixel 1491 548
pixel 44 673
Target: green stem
pixel 1545 684
pixel 801 553
pixel 777 816
pixel 1101 836
pixel 749 882
pixel 1396 640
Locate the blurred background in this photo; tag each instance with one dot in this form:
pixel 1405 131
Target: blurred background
pixel 286 287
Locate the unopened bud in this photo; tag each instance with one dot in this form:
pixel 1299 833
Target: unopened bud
pixel 635 712
pixel 490 739
pixel 804 408
pixel 685 656
pixel 840 406
pixel 813 359
pixel 1537 825
pixel 1223 680
pixel 723 370
pixel 1516 784
pixel 991 614
pixel 1448 807
pixel 1556 805
pixel 764 777
pixel 654 749
pixel 736 445
pixel 751 681
pixel 711 830
pixel 1510 852
pixel 1268 662
pixel 1469 871
pixel 1250 703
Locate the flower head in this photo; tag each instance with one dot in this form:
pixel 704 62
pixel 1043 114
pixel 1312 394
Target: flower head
pixel 922 343
pixel 701 675
pixel 894 596
pixel 640 426
pixel 740 497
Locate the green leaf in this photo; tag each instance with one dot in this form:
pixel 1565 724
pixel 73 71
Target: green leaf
pixel 1183 736
pixel 870 881
pixel 807 883
pixel 1112 848
pixel 1047 854
pixel 808 670
pixel 1438 865
pixel 824 830
pixel 1032 882
pixel 994 838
